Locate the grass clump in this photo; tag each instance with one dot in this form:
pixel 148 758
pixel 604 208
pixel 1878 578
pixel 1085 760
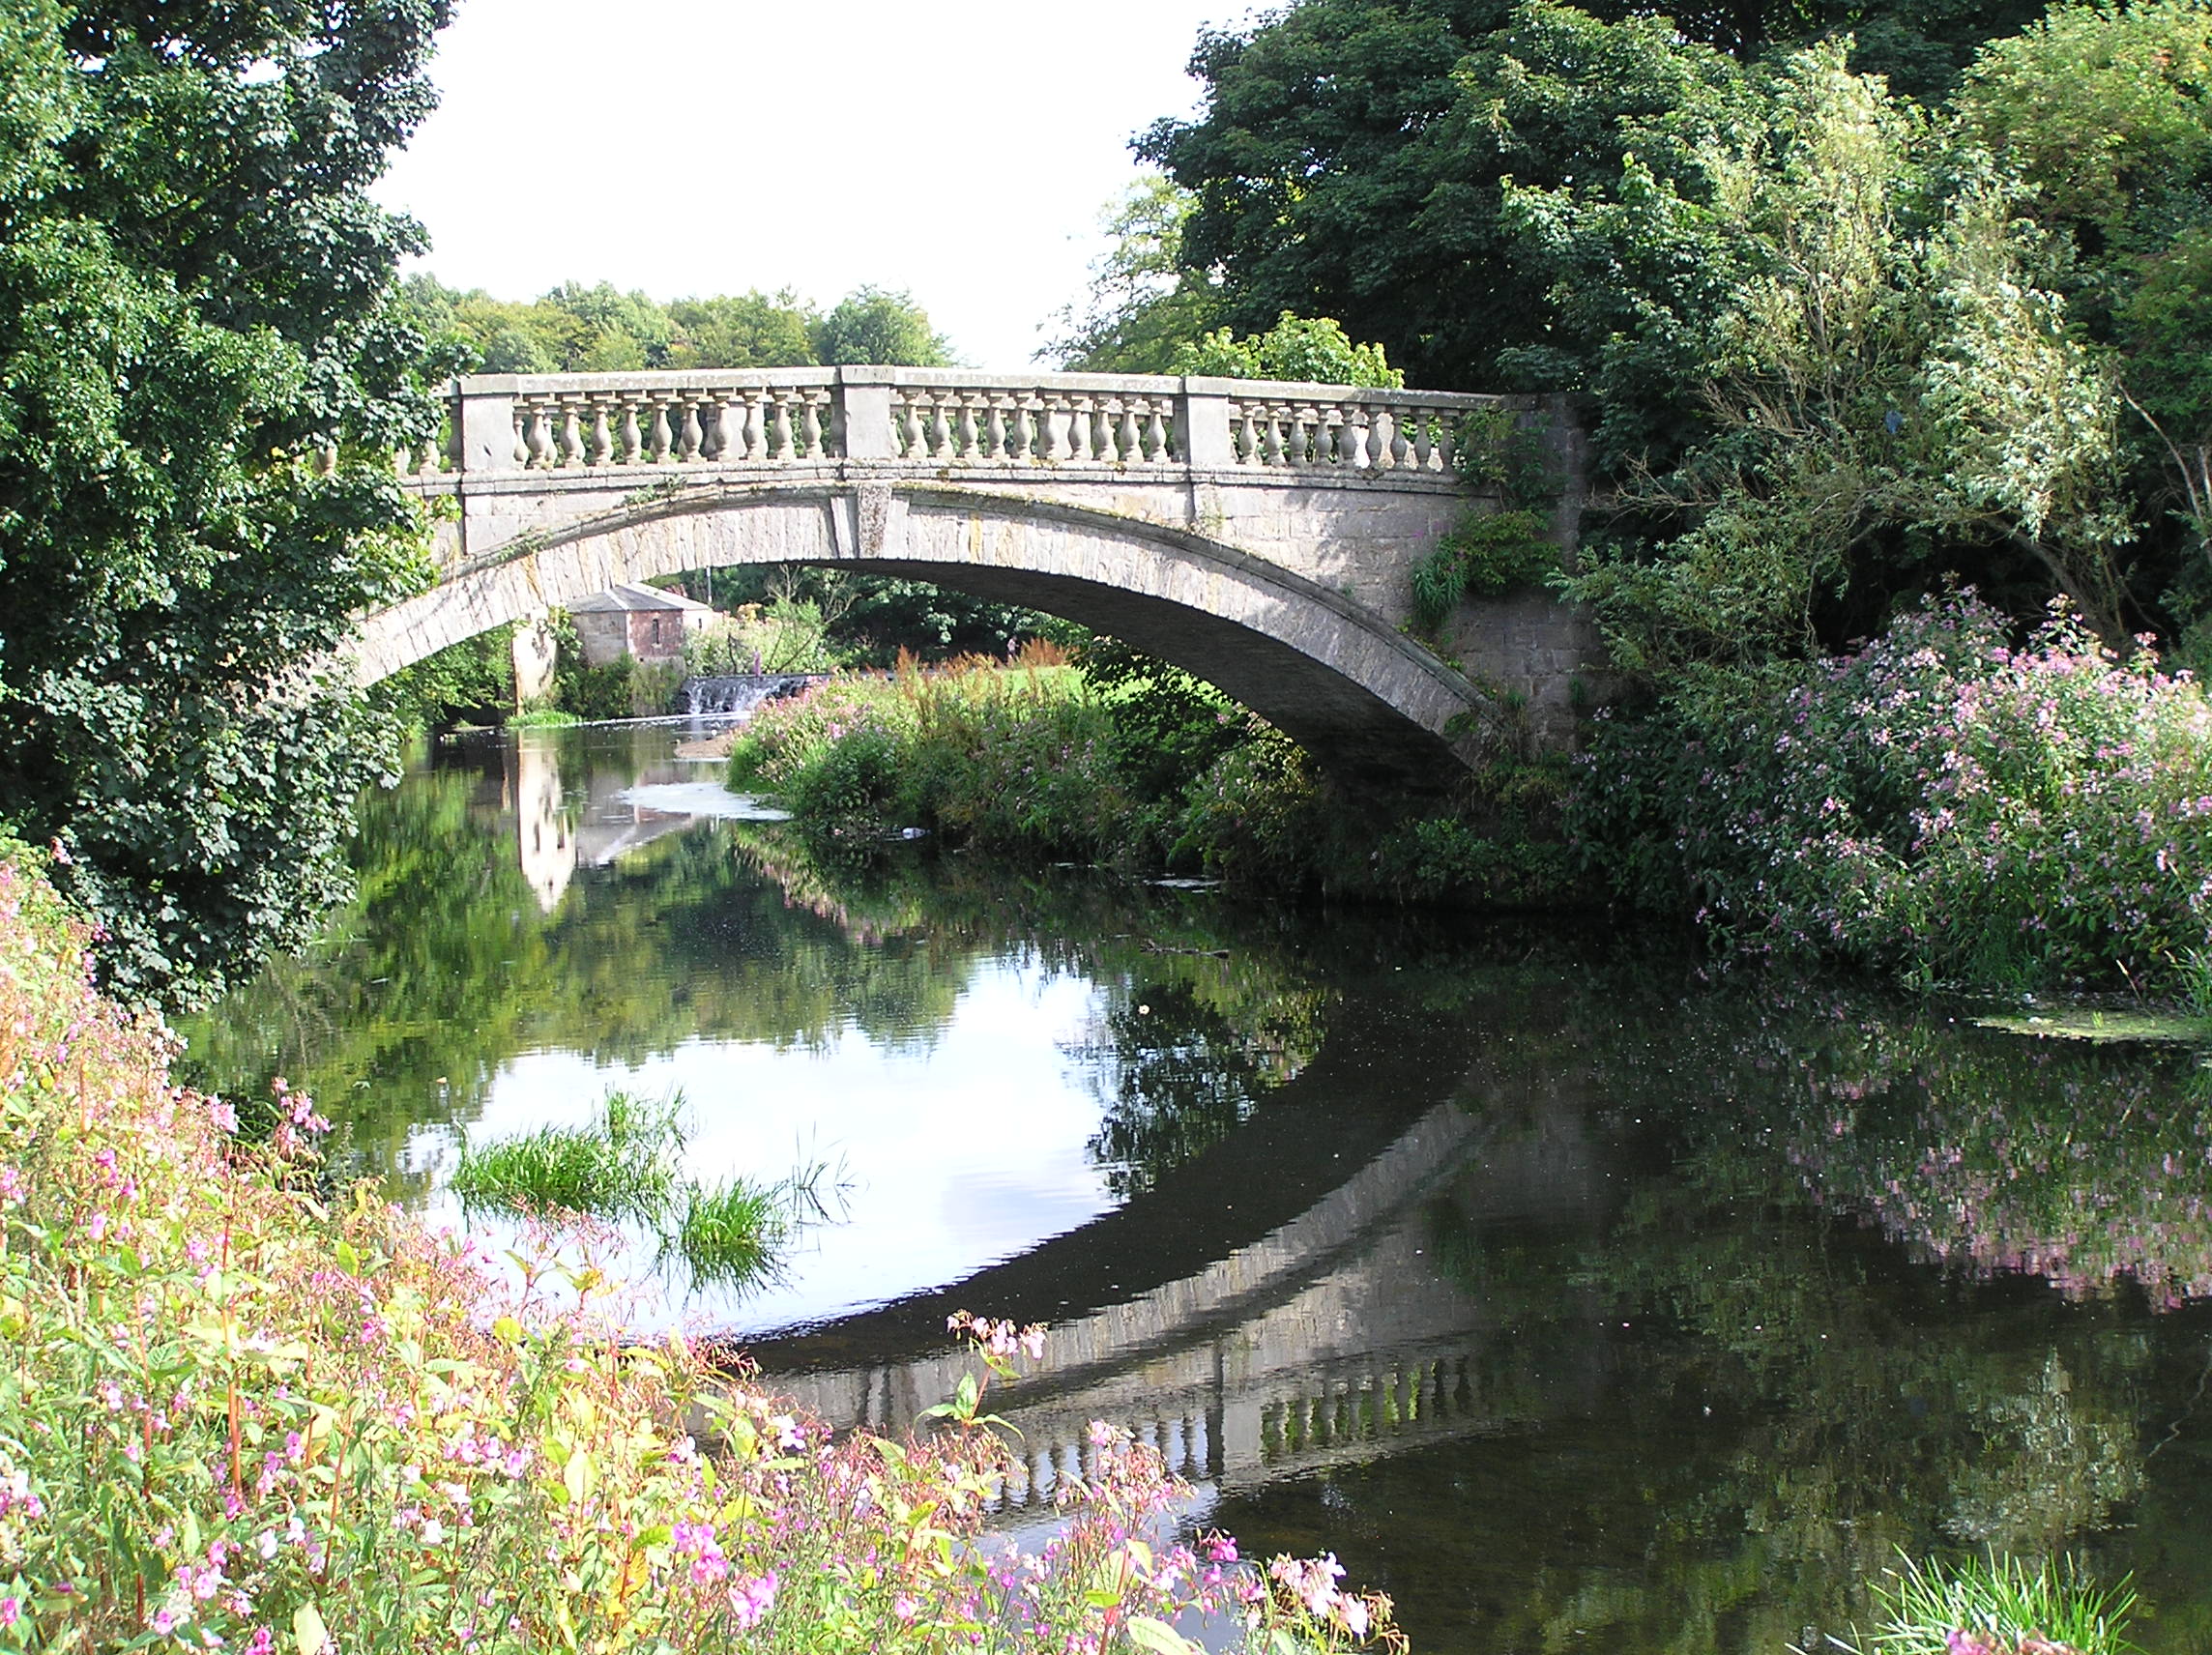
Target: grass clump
pixel 731 1233
pixel 543 719
pixel 2000 1605
pixel 620 1167
pixel 624 1165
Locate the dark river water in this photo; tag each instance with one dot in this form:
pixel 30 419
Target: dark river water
pixel 1573 1299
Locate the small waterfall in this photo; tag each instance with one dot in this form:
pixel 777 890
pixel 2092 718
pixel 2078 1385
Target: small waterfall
pixel 739 692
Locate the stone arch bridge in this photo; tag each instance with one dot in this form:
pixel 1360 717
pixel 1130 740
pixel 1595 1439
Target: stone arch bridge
pixel 1261 535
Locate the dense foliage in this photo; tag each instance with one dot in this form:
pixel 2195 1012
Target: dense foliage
pixel 202 381
pixel 1939 805
pixel 1132 764
pixel 1849 317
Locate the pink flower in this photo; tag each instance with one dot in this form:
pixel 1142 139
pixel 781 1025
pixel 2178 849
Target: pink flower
pixel 752 1598
pixel 11 1611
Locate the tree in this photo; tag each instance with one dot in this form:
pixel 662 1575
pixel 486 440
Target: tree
pixel 1145 304
pixel 871 325
pixel 1349 155
pixel 1880 382
pixel 203 378
pixel 1296 348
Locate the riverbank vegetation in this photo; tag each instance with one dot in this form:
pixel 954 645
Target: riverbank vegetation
pixel 248 1408
pixel 1123 760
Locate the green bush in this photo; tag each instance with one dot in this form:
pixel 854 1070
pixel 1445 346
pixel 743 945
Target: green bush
pixel 1486 556
pixel 1942 807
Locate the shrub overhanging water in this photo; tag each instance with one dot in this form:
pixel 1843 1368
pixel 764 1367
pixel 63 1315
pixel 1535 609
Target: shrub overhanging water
pixel 1940 806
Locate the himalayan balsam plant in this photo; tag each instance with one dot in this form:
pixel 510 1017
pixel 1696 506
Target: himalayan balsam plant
pixel 239 1410
pixel 1942 805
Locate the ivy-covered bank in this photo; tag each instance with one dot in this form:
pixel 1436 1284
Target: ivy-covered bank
pixel 1952 803
pixel 246 1411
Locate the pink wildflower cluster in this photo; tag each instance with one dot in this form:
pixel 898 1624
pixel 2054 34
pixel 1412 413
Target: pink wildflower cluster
pixel 1001 1339
pixel 1941 805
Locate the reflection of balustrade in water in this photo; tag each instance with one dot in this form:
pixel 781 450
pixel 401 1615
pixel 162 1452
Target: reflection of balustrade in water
pixel 936 420
pixel 1348 1412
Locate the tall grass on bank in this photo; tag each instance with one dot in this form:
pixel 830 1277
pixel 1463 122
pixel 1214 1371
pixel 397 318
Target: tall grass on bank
pixel 1002 756
pixel 1037 758
pixel 237 1412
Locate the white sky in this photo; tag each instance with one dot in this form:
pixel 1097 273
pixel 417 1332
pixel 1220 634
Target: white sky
pixel 962 152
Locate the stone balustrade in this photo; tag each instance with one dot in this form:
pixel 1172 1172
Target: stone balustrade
pixel 939 422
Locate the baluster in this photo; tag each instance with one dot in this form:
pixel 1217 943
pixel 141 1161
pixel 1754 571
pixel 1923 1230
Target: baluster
pixel 1156 444
pixel 1078 423
pixel 541 436
pixel 812 403
pixel 571 432
pixel 692 438
pixel 1327 437
pixel 1021 429
pixel 663 439
pixel 1444 445
pixel 994 428
pixel 1351 446
pixel 729 434
pixel 1401 445
pixel 403 460
pixel 779 425
pixel 1125 432
pixel 965 435
pixel 453 443
pixel 632 442
pixel 1052 424
pixel 521 434
pixel 1383 438
pixel 602 440
pixel 906 422
pixel 1106 430
pixel 1272 443
pixel 1244 434
pixel 941 425
pixel 756 432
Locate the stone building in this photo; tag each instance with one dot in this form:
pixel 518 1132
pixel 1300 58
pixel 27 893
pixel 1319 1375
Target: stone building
pixel 641 621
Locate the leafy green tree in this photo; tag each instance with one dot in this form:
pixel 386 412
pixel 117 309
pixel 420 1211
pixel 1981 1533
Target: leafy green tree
pixel 1145 304
pixel 1349 155
pixel 1878 378
pixel 202 381
pixel 2105 114
pixel 751 330
pixel 872 325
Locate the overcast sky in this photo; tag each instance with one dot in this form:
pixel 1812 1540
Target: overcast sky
pixel 964 152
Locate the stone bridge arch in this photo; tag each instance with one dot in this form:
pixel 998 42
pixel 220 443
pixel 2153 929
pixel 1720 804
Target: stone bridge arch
pixel 1262 535
pixel 1315 662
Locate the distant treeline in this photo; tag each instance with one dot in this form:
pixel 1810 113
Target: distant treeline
pixel 575 329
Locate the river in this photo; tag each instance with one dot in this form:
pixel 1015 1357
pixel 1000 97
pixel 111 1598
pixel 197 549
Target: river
pixel 1569 1292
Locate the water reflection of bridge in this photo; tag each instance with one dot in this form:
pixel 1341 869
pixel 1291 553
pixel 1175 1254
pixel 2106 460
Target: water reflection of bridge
pixel 557 831
pixel 1332 1338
